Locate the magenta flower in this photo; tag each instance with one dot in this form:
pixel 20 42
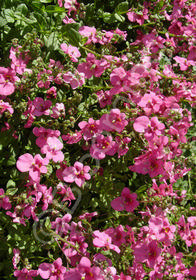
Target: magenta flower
pixel 90 128
pixel 73 52
pixel 104 240
pixel 103 146
pixel 25 274
pixel 7 81
pixel 4 201
pixel 53 148
pixel 141 124
pixel 126 201
pixel 35 165
pixel 53 271
pixel 41 107
pixel 149 253
pixel 89 273
pixel 77 173
pixel 115 121
pixel 5 106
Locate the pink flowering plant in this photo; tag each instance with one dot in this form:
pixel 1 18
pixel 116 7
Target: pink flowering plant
pixel 97 143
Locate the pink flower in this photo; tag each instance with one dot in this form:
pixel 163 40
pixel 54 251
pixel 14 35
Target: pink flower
pixel 25 274
pixel 104 240
pixel 103 146
pixel 192 270
pixel 75 81
pixel 19 60
pixel 5 106
pixel 53 148
pixel 184 63
pixel 4 201
pixel 115 121
pixel 73 52
pixel 89 129
pixel 43 135
pixel 16 257
pixel 122 145
pixel 89 32
pixel 7 81
pixel 41 107
pixel 53 271
pixel 77 173
pixel 61 224
pixel 58 111
pixel 88 272
pixel 51 92
pixel 149 253
pixel 126 201
pixel 35 165
pixel 141 123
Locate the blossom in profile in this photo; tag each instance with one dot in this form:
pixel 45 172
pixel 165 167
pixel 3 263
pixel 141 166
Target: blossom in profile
pixel 127 201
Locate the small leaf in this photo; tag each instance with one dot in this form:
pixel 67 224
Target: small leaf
pixel 46 1
pixel 22 9
pixel 11 191
pixel 10 183
pixel 54 9
pixel 122 8
pixel 9 15
pixel 73 36
pixel 119 17
pixel 3 21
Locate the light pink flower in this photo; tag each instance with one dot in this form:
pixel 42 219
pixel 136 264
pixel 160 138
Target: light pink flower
pixel 78 173
pixel 53 148
pixel 54 271
pixel 73 52
pixel 5 106
pixel 141 123
pixel 7 81
pixel 34 165
pixel 25 274
pixel 104 240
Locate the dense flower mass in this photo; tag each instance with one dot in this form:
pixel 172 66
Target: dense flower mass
pixel 97 144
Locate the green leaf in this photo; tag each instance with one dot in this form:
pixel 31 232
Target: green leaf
pixel 47 223
pixel 11 191
pixel 119 17
pixel 122 8
pixel 46 1
pixel 22 8
pixel 3 21
pixel 73 36
pixel 107 17
pixel 51 41
pixel 11 161
pixel 10 183
pixel 54 9
pixel 9 15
